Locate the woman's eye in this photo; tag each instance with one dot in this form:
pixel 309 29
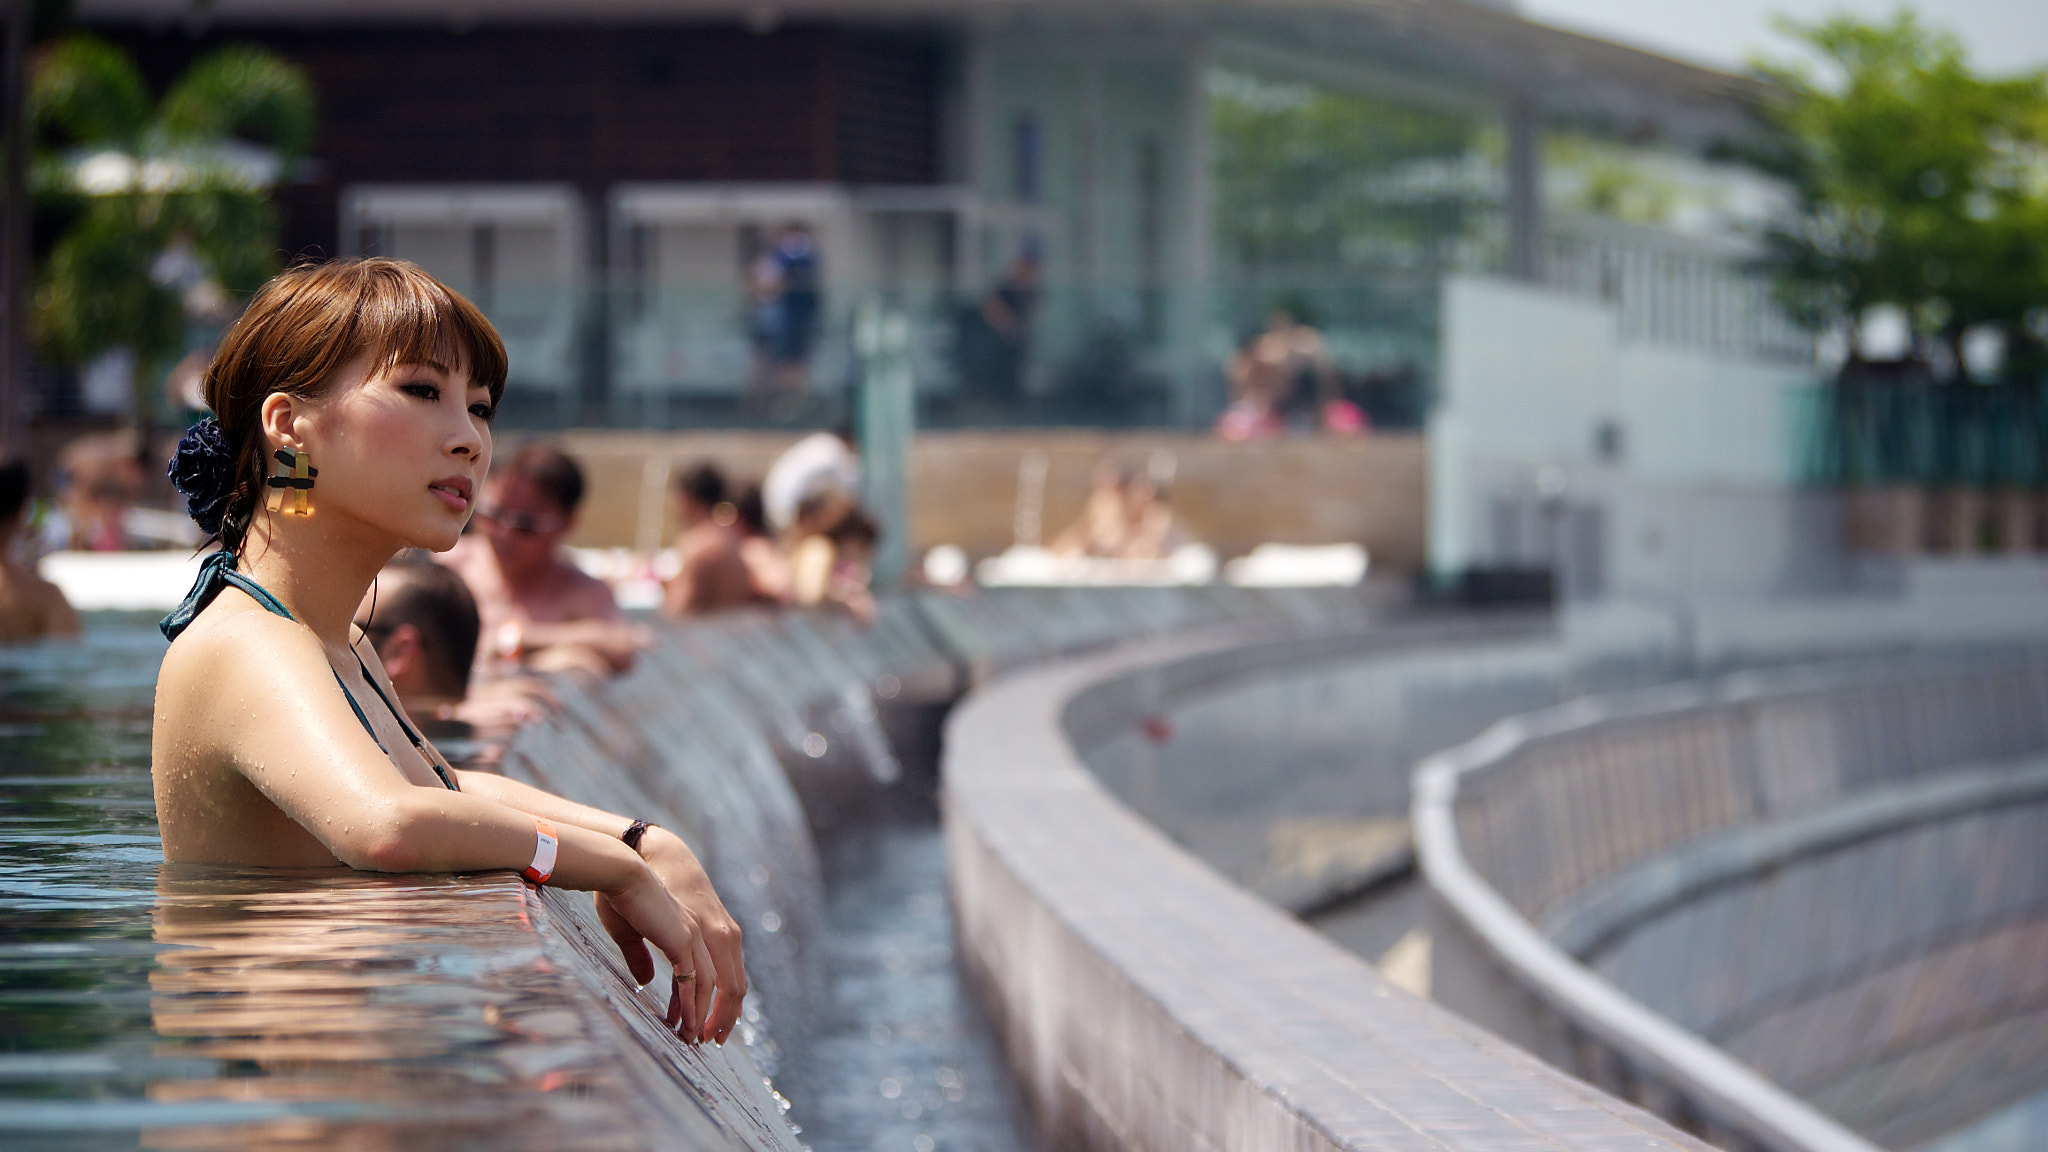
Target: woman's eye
pixel 423 391
pixel 483 412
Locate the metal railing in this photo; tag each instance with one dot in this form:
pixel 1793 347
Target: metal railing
pixel 1513 827
pixel 1905 428
pixel 1674 290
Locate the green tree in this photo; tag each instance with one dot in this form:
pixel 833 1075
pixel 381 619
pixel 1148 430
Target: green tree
pixel 165 206
pixel 1316 180
pixel 1919 183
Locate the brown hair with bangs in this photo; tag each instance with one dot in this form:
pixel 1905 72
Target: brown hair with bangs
pixel 308 322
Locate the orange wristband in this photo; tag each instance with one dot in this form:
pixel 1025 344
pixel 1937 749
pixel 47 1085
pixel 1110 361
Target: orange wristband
pixel 544 850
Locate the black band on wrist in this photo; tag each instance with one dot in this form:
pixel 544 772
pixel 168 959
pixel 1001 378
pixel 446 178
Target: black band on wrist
pixel 633 834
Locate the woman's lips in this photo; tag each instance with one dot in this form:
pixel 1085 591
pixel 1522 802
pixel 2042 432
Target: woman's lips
pixel 453 491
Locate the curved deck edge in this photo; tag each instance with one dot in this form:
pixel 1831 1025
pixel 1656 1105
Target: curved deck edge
pixel 1146 1002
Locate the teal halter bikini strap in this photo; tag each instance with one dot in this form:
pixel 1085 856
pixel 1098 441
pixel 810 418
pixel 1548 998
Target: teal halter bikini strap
pixel 214 574
pixel 418 744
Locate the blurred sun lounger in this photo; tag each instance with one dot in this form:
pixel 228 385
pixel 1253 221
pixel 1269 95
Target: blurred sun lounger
pixel 1267 566
pixel 1041 567
pixel 1299 566
pixel 151 581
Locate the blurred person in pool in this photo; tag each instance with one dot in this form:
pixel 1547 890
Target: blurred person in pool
pixel 424 624
pixel 767 565
pixel 540 611
pixel 352 419
pixel 711 575
pixel 30 606
pixel 829 561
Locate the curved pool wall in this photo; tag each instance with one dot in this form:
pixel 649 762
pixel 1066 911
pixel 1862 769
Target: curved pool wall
pixel 741 732
pixel 1285 764
pixel 1145 1001
pixel 1796 909
pixel 1077 915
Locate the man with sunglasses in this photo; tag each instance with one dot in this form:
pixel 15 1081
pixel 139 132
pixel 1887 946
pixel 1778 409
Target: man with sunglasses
pixel 540 612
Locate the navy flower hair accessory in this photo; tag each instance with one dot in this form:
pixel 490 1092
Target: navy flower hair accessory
pixel 204 471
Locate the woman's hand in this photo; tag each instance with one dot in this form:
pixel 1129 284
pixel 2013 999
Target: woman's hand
pixel 684 877
pixel 674 868
pixel 644 912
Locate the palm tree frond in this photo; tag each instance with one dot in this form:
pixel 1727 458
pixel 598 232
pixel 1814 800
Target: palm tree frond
pixel 86 91
pixel 246 92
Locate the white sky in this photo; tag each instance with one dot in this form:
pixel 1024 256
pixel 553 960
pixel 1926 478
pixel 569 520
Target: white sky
pixel 2000 35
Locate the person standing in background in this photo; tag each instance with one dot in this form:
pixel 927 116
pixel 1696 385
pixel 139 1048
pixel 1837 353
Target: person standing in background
pixel 788 298
pixel 30 606
pixel 995 334
pixel 100 476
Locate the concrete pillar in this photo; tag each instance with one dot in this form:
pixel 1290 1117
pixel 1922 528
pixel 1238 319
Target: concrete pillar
pixel 2018 517
pixel 1188 286
pixel 1888 521
pixel 887 419
pixel 1089 175
pixel 1958 521
pixel 1525 190
pixel 1198 243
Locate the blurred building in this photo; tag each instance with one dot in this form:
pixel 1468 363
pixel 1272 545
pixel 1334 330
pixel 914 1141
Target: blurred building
pixel 600 174
pixel 1036 187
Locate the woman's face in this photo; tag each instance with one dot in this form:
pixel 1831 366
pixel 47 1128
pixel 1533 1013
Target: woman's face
pixel 403 451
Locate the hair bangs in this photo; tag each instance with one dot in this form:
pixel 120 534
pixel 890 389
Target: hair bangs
pixel 408 317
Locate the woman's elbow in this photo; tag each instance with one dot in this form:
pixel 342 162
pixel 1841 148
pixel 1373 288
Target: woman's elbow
pixel 395 842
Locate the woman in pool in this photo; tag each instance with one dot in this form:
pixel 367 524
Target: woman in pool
pixel 367 388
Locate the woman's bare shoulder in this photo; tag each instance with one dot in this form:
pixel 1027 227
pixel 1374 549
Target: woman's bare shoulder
pixel 235 643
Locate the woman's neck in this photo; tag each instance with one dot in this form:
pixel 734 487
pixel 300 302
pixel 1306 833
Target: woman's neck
pixel 317 571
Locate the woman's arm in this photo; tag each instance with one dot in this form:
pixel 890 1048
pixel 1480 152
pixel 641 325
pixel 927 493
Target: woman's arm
pixel 680 872
pixel 810 570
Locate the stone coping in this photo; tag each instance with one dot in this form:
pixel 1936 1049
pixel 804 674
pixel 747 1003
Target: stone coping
pixel 1146 1002
pixel 1733 1097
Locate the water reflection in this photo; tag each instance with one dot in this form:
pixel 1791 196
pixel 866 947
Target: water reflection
pixel 369 1012
pixel 243 1008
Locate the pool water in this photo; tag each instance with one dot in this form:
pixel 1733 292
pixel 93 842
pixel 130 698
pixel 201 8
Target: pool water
pixel 905 1060
pixel 78 875
pixel 220 1008
pixel 179 1007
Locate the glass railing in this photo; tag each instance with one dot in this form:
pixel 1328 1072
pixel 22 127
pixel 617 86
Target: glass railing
pixel 677 355
pixel 1908 430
